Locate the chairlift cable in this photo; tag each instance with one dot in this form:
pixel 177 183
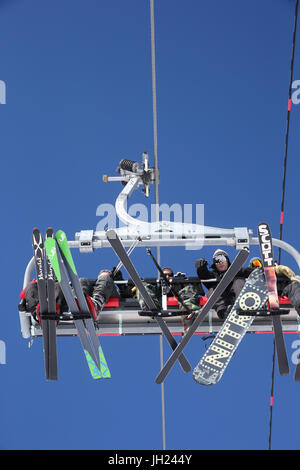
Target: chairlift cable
pixel 154 110
pixel 282 205
pixel 288 128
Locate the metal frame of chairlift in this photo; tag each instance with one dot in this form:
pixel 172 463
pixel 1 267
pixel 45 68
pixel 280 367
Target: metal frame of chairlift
pixel 125 320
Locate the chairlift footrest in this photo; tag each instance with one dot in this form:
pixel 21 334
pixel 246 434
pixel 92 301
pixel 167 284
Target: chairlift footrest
pixel 163 313
pixel 66 316
pixel 49 316
pixel 263 312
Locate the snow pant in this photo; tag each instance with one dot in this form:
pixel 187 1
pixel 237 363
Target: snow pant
pixel 32 298
pixel 187 293
pixel 152 291
pixel 292 291
pixel 104 287
pixel 224 303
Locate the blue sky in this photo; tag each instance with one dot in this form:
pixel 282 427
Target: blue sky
pixel 78 99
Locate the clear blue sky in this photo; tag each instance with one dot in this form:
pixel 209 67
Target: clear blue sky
pixel 78 99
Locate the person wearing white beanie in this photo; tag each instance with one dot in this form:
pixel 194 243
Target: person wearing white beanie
pixel 221 263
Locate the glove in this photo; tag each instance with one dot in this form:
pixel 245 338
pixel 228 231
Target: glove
pixel 179 274
pixel 118 276
pixel 22 305
pixel 201 263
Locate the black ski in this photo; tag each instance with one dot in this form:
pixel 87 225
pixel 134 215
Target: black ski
pixel 52 315
pixel 38 250
pixel 266 248
pixel 121 253
pixel 57 264
pixel 225 281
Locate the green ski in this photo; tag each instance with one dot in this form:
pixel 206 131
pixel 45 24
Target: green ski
pixel 70 266
pixel 57 264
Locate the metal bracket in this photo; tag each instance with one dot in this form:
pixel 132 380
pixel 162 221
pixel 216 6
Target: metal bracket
pixel 241 237
pixel 85 239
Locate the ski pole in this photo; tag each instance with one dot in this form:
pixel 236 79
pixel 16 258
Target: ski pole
pixel 130 250
pixel 176 294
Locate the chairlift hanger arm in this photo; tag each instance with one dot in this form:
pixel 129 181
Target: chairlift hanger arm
pixel 165 233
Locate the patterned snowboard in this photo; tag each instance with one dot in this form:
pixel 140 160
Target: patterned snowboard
pixel 212 365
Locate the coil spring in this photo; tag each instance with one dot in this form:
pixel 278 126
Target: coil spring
pixel 129 165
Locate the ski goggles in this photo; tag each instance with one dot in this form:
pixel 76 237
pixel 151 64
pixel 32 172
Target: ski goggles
pixel 220 259
pixel 257 263
pixel 169 274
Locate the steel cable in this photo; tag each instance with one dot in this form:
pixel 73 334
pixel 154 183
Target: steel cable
pixel 282 206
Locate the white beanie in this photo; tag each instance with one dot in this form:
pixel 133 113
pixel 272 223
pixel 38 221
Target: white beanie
pixel 220 252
